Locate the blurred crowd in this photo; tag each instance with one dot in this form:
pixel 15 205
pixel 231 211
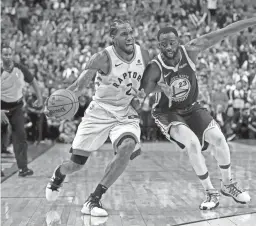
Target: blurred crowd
pixel 55 39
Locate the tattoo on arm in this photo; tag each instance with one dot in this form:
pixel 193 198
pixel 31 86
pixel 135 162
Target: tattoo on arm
pixel 98 62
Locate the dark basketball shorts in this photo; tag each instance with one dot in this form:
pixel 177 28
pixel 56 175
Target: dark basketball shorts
pixel 197 118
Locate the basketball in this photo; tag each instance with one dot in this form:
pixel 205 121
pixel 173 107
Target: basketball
pixel 62 104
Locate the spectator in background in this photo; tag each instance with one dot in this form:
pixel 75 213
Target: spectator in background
pixel 23 14
pixel 240 123
pixel 212 8
pixel 221 117
pixel 238 97
pixel 252 123
pixel 67 131
pixel 219 97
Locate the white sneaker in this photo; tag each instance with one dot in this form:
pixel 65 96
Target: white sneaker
pixel 234 191
pixel 52 190
pixel 93 221
pixel 211 201
pixel 93 207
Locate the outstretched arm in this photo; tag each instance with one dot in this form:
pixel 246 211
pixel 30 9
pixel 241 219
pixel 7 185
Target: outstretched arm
pixel 98 62
pixel 206 41
pixel 150 77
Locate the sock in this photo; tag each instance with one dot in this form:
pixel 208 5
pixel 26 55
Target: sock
pixel 58 173
pixel 99 191
pixel 205 181
pixel 225 171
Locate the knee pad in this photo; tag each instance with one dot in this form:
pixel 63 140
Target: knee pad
pixel 78 159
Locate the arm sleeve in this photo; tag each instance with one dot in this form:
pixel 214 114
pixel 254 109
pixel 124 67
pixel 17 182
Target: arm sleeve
pixel 28 77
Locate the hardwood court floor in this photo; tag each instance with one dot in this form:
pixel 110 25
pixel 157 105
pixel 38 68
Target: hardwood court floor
pixel 158 189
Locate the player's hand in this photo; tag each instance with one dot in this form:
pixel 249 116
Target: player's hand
pixel 4 118
pixel 168 92
pixel 46 111
pixel 38 104
pixel 140 94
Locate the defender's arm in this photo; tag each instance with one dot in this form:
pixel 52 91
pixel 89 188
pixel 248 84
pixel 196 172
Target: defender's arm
pixel 206 41
pixel 151 76
pixel 98 62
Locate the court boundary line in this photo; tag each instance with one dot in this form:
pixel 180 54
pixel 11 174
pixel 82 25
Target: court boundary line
pixel 215 218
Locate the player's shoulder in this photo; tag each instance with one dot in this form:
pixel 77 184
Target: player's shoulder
pixel 144 53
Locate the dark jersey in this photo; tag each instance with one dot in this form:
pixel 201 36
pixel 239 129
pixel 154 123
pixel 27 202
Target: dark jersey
pixel 182 79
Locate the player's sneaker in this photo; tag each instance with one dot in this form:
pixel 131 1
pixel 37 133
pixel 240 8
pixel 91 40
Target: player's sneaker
pixel 234 191
pixel 211 201
pixel 52 191
pixel 93 207
pixel 93 221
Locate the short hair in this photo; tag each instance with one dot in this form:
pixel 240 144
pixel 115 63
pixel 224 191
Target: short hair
pixel 115 24
pixel 5 45
pixel 167 30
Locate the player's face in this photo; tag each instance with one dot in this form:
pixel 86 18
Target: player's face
pixel 124 39
pixel 7 56
pixel 168 44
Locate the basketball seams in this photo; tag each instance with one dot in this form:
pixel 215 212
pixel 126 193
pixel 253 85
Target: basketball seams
pixel 74 102
pixel 62 104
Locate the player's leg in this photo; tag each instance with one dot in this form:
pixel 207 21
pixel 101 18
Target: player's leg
pixel 124 138
pixel 91 135
pixel 176 130
pixel 216 138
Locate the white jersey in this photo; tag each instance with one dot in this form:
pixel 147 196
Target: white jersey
pixel 113 91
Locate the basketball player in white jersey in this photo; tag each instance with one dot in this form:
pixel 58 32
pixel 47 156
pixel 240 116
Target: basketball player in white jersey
pixel 118 70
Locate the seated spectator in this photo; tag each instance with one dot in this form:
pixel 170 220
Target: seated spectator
pixel 53 128
pixel 67 131
pixel 240 123
pixel 252 123
pixel 238 97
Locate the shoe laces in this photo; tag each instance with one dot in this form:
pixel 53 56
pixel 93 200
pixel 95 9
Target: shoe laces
pixel 93 201
pixel 212 196
pixel 234 189
pixel 56 183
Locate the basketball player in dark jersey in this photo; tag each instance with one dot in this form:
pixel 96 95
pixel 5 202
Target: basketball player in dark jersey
pixel 178 114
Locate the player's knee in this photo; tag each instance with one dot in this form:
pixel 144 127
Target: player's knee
pixel 126 147
pixel 194 145
pixel 217 138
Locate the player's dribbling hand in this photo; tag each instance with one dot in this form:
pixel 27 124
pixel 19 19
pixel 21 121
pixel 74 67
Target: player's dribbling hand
pixel 38 104
pixel 46 111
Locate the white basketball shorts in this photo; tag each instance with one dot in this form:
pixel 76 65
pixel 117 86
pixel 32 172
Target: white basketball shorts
pixel 98 124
